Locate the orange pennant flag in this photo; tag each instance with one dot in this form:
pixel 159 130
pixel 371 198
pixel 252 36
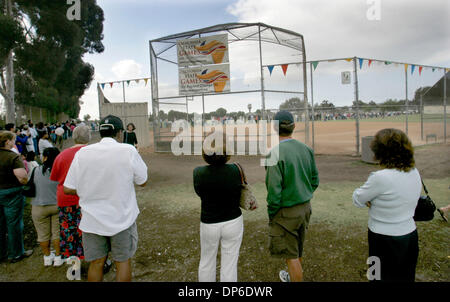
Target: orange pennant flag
pixel 284 67
pixel 349 59
pixel 406 67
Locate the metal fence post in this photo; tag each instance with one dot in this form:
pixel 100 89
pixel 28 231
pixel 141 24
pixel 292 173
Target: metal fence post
pixel 355 70
pixel 406 100
pixel 445 105
pixel 312 105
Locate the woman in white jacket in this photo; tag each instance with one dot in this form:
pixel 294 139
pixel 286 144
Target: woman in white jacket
pixel 391 195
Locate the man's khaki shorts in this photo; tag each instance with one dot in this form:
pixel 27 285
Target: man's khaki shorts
pixel 123 245
pixel 287 231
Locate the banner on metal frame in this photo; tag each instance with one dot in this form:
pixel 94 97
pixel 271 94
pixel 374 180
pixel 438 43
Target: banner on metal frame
pixel 204 79
pixel 203 51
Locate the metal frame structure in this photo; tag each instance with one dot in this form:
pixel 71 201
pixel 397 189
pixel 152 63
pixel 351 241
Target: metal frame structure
pixel 237 32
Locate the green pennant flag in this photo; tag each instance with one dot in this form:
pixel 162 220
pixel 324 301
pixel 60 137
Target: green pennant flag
pixel 315 63
pixel 128 82
pixel 387 62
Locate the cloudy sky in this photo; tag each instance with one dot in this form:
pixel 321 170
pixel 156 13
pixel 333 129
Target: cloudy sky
pixel 410 31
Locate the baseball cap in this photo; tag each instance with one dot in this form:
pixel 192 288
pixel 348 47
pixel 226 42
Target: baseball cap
pixel 111 122
pixel 284 117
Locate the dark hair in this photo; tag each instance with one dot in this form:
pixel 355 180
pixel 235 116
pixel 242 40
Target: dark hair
pixel 216 156
pixel 51 154
pixel 393 149
pixel 9 126
pixel 5 136
pixel 110 132
pixel 31 156
pixel 132 125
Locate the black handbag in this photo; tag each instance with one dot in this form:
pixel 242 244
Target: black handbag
pixel 29 190
pixel 425 207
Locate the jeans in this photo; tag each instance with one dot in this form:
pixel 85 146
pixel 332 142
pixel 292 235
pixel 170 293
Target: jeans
pixel 229 235
pixel 11 222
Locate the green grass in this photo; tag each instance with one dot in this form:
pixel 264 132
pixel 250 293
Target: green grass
pixel 335 247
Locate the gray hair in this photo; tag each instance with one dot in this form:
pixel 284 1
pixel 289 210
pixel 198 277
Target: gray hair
pixel 81 135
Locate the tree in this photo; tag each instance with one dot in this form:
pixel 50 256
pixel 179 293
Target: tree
pixel 47 54
pixel 221 112
pixel 293 103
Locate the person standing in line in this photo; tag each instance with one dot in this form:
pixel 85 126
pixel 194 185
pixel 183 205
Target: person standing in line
pixel 44 142
pixel 218 185
pixel 12 177
pixel 391 195
pixel 290 185
pixel 44 211
pixel 59 137
pixel 31 162
pixel 103 176
pixel 129 136
pixel 29 144
pixel 34 135
pixel 70 239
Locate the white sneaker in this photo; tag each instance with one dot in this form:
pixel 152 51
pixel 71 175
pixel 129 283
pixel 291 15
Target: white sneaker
pixel 284 276
pixel 48 260
pixel 58 261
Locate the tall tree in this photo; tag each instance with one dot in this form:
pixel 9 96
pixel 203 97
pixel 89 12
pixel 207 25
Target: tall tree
pixel 46 49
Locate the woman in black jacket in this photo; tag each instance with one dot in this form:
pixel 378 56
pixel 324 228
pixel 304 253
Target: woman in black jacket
pixel 218 185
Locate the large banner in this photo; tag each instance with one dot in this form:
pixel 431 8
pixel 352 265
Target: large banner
pixel 204 79
pixel 203 51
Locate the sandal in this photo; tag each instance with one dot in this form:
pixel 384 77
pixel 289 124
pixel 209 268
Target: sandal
pixel 442 215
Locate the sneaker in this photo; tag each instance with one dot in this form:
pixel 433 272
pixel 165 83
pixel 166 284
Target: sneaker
pixel 284 276
pixel 26 254
pixel 48 260
pixel 58 261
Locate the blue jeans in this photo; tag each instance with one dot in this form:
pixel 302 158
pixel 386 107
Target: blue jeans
pixel 11 222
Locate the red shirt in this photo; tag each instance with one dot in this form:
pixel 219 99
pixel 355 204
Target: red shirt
pixel 60 168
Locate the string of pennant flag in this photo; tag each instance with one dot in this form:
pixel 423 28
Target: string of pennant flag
pixel 111 84
pixel 284 67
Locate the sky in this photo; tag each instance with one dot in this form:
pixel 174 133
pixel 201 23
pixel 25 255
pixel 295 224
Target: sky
pixel 410 31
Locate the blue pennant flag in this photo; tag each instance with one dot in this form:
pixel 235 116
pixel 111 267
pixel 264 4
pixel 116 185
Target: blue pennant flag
pixel 103 85
pixel 412 68
pixel 361 63
pixel 270 67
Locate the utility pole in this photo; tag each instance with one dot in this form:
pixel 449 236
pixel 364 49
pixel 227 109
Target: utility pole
pixel 9 95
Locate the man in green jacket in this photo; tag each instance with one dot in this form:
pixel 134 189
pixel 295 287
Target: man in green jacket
pixel 290 185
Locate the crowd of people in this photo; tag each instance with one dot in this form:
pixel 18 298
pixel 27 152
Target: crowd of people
pixel 85 204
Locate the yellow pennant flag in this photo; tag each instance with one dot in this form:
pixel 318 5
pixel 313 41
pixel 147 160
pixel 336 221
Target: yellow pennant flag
pixel 406 67
pixel 146 81
pixel 349 59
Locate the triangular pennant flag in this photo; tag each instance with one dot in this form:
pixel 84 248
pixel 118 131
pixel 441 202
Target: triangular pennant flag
pixel 446 70
pixel 349 59
pixel 146 81
pixel 111 84
pixel 412 68
pixel 432 69
pixel 360 62
pixel 128 82
pixel 420 70
pixel 284 67
pixel 315 63
pixel 270 67
pixel 137 81
pixel 387 62
pixel 103 85
pixel 406 67
pixel 370 62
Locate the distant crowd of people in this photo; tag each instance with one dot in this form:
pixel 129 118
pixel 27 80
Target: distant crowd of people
pixel 85 204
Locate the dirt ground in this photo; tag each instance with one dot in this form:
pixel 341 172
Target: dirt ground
pixel 169 242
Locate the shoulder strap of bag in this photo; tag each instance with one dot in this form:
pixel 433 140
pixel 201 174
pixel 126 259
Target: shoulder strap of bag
pixel 241 172
pixel 32 175
pixel 424 187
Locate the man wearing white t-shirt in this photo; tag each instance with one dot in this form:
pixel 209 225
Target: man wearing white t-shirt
pixel 103 176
